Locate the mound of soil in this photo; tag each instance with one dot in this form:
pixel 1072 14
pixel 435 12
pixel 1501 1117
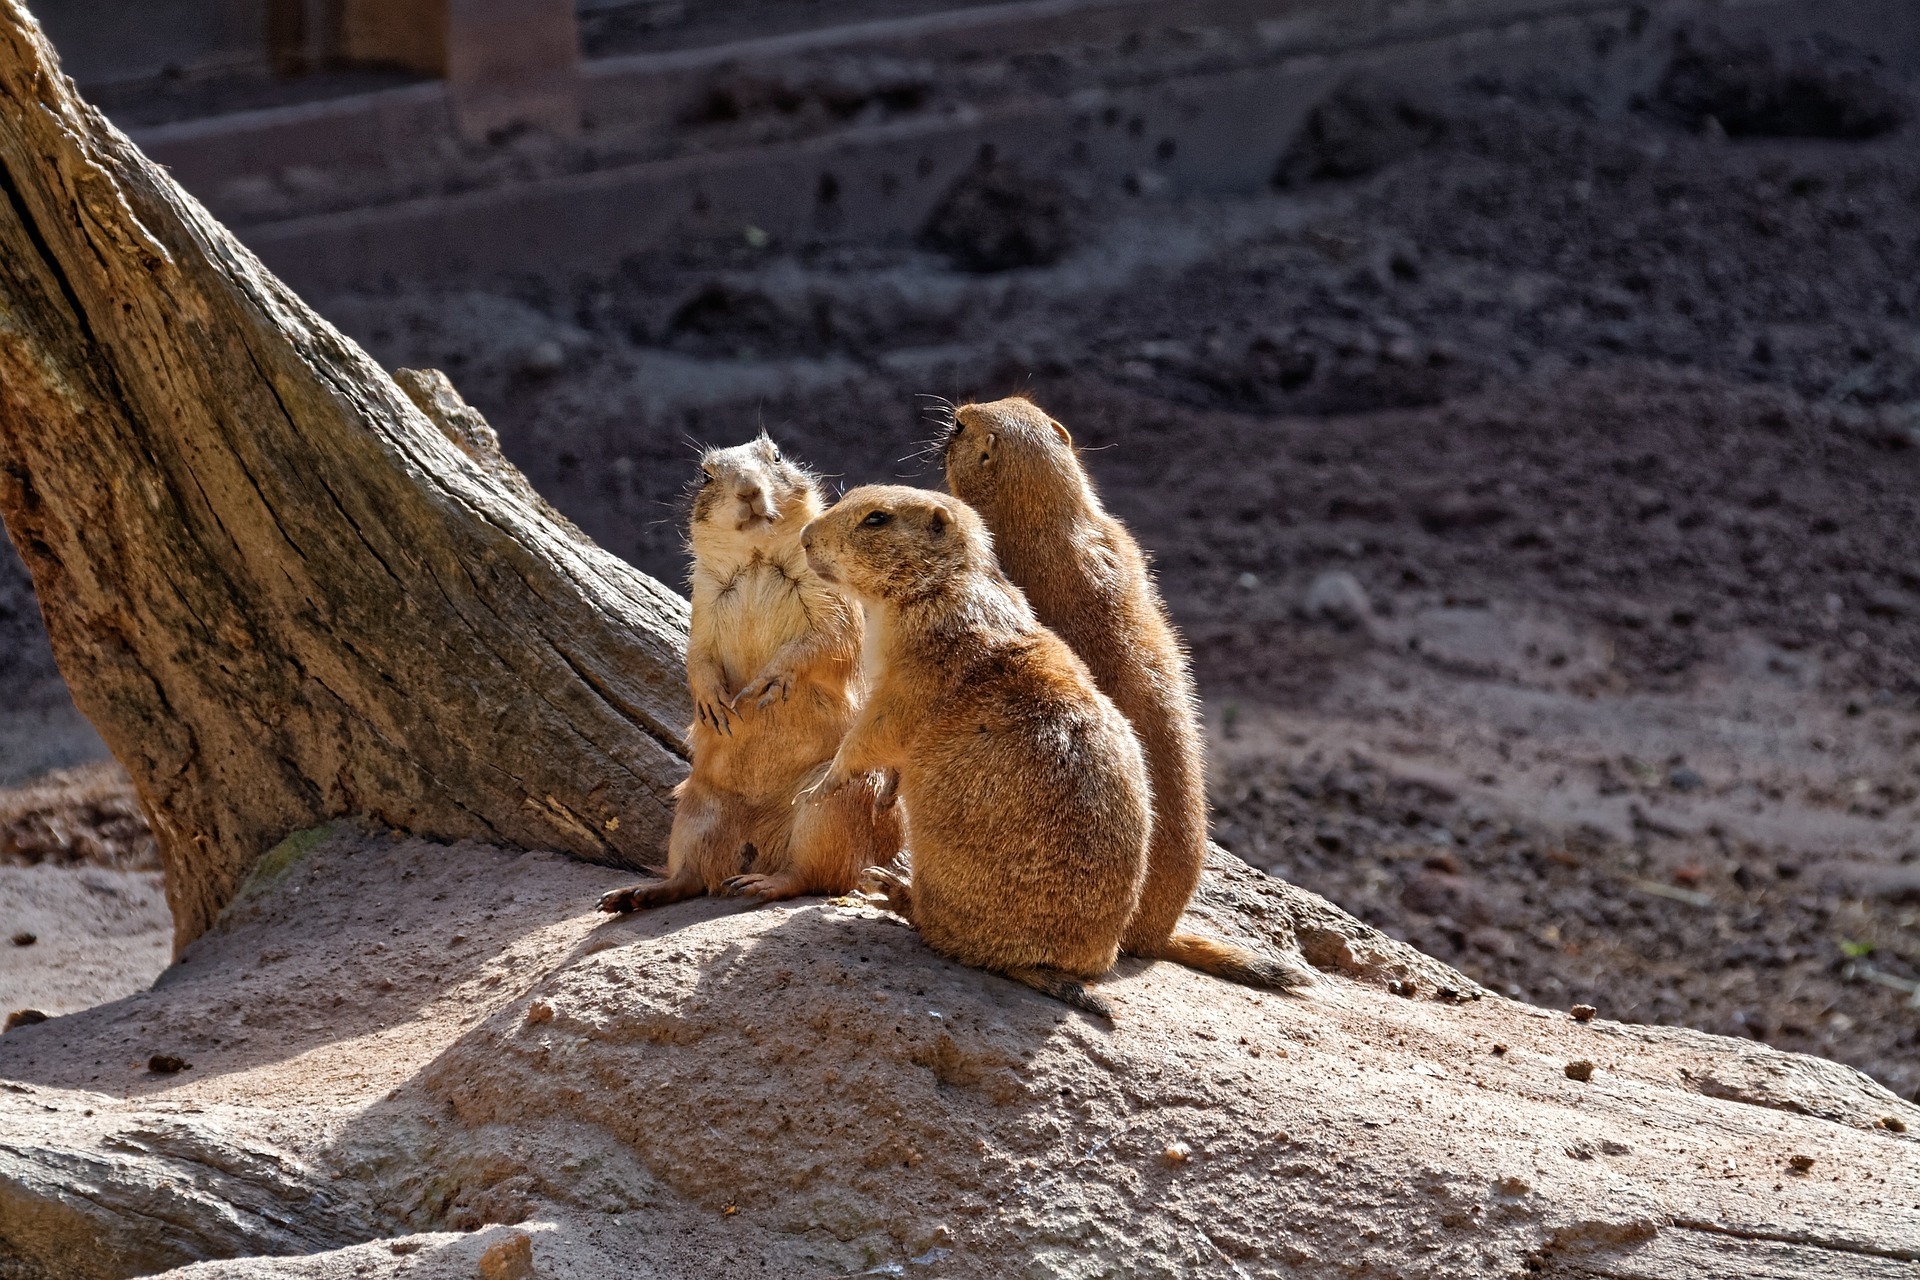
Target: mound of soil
pixel 1361 128
pixel 1748 91
pixel 997 216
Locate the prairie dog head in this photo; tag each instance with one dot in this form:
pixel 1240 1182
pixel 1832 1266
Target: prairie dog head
pixel 1010 456
pixel 749 496
pixel 890 543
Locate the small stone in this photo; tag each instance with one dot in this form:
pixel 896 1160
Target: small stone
pixel 1893 1124
pixel 165 1064
pixel 1583 1012
pixel 25 939
pixel 1800 1164
pixel 1513 1186
pixel 1612 1148
pixel 1248 581
pixel 1580 1069
pixel 1338 597
pixel 1685 779
pixel 538 1012
pixel 24 1018
pixel 401 1248
pixel 508 1259
pixel 1403 987
pixel 1177 1153
pixel 1499 1051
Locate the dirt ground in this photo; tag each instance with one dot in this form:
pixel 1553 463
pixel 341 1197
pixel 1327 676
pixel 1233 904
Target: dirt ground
pixel 1540 494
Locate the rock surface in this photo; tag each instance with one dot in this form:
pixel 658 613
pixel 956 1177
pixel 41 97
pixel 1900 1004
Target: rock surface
pixel 396 1054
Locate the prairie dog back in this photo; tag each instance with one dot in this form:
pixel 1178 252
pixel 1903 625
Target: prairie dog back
pixel 1087 578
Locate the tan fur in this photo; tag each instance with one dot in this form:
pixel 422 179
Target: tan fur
pixel 1024 788
pixel 773 662
pixel 1088 580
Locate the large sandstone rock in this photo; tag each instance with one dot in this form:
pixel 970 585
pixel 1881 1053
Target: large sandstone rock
pixel 398 1058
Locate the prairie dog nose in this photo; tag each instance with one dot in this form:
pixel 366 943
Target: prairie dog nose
pixel 754 499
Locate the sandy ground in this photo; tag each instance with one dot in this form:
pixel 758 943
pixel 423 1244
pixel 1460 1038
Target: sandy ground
pixel 78 937
pixel 83 913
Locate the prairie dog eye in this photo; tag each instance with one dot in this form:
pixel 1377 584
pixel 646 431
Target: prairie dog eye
pixel 877 519
pixel 774 449
pixel 706 477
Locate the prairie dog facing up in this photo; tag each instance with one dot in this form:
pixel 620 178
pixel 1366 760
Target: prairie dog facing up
pixel 773 660
pixel 1024 788
pixel 1087 579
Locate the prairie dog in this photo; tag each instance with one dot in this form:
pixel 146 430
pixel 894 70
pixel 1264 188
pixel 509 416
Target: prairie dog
pixel 773 663
pixel 1024 788
pixel 1087 579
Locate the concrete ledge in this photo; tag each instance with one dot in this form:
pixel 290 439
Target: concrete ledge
pixel 1221 132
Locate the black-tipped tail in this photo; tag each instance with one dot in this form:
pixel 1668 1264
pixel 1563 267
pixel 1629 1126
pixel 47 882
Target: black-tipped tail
pixel 1063 987
pixel 1234 963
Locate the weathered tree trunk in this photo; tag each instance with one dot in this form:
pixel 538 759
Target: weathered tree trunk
pixel 276 587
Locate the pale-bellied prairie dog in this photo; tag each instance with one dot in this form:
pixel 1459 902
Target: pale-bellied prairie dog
pixel 1024 788
pixel 773 659
pixel 1088 580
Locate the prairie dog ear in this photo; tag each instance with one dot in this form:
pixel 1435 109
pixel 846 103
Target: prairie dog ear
pixel 987 445
pixel 1061 432
pixel 937 522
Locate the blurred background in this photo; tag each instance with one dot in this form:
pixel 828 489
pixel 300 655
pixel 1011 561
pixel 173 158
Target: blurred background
pixel 1521 399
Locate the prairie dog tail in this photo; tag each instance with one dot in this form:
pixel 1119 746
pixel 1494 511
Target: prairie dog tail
pixel 1234 963
pixel 1061 986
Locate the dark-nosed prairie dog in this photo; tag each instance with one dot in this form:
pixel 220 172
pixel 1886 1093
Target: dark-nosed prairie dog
pixel 1087 579
pixel 773 659
pixel 1024 787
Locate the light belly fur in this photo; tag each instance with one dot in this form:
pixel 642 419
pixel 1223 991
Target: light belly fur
pixel 760 613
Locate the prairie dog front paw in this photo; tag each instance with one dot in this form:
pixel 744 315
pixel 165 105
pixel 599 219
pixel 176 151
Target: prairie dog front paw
pixel 712 707
pixel 767 687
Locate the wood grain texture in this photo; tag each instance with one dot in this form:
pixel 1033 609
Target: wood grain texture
pixel 276 587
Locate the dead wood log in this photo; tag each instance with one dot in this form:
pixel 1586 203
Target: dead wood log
pixel 275 586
